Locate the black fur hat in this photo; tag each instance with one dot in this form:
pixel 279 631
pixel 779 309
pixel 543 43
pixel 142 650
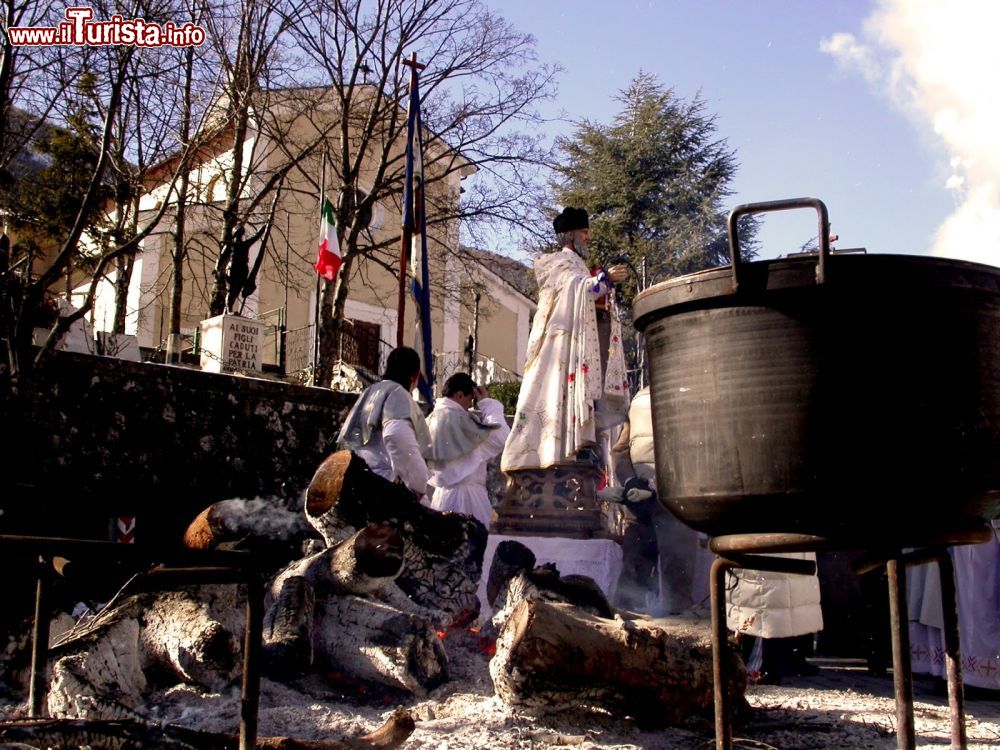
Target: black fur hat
pixel 570 219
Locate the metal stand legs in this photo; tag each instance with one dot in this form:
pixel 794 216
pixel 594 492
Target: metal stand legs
pixel 746 551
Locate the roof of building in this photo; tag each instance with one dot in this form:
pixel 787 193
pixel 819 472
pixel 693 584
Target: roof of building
pixel 520 276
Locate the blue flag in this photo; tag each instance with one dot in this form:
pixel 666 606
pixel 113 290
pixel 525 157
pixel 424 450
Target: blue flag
pixel 415 220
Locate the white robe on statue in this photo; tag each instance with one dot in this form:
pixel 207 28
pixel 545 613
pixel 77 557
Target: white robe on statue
pixel 563 376
pixel 462 445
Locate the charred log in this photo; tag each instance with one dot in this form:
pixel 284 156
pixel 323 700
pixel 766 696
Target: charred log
pixel 509 559
pixel 378 644
pixel 364 564
pixel 64 734
pixel 513 578
pixel 265 527
pixel 443 552
pixel 553 657
pixel 181 634
pixel 103 668
pixel 287 646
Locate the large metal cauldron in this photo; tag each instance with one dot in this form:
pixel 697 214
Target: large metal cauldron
pixel 850 396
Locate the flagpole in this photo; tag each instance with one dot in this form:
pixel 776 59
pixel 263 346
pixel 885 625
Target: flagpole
pixel 406 236
pixel 319 277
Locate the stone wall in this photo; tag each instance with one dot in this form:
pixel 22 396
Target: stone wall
pixel 102 437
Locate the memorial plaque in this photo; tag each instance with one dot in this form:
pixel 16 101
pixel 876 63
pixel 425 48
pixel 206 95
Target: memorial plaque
pixel 231 343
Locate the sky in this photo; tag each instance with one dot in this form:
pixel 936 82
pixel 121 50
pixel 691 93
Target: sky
pixel 886 110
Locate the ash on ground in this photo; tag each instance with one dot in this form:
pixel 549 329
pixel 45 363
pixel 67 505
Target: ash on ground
pixel 843 708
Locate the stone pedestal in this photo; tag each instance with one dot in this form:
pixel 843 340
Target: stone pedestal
pixel 558 501
pixel 231 343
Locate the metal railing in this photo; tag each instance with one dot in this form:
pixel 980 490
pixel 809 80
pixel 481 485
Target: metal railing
pixel 485 370
pixel 361 349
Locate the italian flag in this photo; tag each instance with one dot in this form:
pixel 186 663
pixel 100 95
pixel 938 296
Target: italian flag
pixel 328 258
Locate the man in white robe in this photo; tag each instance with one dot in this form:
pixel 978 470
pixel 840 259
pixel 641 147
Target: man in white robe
pixel 462 444
pixel 571 389
pixel 386 428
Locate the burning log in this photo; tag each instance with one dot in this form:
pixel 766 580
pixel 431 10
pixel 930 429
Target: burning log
pixel 64 734
pixel 509 559
pixel 181 633
pixel 514 578
pixel 103 681
pixel 376 643
pixel 561 645
pixel 553 656
pixel 263 526
pixel 362 564
pixel 443 552
pixel 369 606
pixel 392 642
pixel 230 522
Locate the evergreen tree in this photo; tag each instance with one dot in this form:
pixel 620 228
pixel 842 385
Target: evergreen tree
pixel 46 203
pixel 654 182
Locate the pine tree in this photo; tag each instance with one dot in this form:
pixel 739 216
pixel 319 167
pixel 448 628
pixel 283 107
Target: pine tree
pixel 655 183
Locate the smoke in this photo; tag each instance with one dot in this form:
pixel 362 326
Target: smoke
pixel 265 518
pixel 938 60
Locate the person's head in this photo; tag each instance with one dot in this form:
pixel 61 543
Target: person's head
pixel 572 227
pixel 461 389
pixel 403 366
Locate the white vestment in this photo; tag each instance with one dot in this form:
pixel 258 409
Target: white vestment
pixel 563 375
pixel 386 429
pixel 462 446
pixel 977 589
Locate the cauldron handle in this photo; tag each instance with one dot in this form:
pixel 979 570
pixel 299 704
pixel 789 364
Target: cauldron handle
pixel 782 205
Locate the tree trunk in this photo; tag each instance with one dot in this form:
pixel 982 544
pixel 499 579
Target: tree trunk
pixel 331 315
pixel 552 656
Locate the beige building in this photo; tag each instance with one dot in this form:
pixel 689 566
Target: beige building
pixel 287 284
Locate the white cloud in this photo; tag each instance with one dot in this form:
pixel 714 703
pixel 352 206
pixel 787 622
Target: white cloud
pixel 940 62
pixel 972 232
pixel 955 182
pixel 852 55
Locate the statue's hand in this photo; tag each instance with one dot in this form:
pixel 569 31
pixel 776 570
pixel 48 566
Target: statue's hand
pixel 611 494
